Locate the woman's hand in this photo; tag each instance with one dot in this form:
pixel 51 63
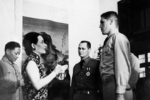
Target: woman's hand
pixel 62 75
pixel 60 69
pixel 120 97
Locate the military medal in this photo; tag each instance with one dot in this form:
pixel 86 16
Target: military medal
pixel 87 73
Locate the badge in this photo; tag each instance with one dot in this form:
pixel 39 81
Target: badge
pixel 88 68
pixel 87 73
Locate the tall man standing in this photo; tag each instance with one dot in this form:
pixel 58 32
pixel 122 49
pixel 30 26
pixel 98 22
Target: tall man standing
pixel 10 77
pixel 115 65
pixel 86 78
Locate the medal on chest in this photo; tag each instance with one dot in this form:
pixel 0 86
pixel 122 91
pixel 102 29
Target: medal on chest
pixel 88 72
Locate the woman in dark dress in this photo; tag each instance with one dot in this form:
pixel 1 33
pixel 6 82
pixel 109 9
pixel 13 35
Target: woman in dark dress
pixel 34 73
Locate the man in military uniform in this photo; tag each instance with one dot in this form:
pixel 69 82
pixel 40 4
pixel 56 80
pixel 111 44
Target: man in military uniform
pixel 115 64
pixel 11 81
pixel 86 78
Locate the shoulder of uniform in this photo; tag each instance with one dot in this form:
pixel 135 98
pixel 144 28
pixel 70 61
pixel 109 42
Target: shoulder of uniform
pixel 76 65
pixel 3 64
pixel 1 61
pixel 94 60
pixel 119 37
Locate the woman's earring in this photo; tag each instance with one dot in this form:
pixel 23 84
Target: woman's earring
pixel 33 48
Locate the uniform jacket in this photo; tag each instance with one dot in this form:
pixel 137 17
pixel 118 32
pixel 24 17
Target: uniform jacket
pixel 115 60
pixel 86 78
pixel 9 78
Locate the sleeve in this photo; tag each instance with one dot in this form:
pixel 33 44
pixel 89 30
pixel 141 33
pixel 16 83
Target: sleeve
pixel 7 85
pixel 99 80
pixel 72 91
pixel 98 77
pixel 122 63
pixel 135 71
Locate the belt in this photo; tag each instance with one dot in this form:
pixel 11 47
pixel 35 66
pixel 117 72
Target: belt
pixel 108 79
pixel 87 91
pixel 128 89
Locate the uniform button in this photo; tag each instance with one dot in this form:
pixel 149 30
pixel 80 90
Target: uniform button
pixel 88 92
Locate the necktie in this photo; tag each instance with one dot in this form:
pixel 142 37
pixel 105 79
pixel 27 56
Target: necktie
pixel 82 63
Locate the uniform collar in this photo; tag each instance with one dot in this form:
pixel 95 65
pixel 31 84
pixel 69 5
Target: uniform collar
pixel 86 60
pixel 111 35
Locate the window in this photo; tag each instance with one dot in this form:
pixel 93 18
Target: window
pixel 142 58
pixel 148 57
pixel 142 72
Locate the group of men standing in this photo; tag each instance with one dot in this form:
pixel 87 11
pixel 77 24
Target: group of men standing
pixel 108 78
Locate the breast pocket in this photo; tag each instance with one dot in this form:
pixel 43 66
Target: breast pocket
pixel 89 73
pixel 11 76
pixel 9 83
pixel 106 49
pixel 107 53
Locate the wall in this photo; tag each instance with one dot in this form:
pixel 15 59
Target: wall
pixel 46 9
pixel 10 24
pixel 57 31
pixel 84 19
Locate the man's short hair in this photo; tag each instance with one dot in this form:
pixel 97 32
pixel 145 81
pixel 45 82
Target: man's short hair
pixel 87 42
pixel 109 15
pixel 11 45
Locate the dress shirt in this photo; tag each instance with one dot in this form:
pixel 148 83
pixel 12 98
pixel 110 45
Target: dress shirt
pixel 9 80
pixel 115 60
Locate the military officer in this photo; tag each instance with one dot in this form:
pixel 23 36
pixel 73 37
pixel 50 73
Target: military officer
pixel 86 78
pixel 115 64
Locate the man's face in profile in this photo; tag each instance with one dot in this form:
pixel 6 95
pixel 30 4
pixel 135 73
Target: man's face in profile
pixel 105 26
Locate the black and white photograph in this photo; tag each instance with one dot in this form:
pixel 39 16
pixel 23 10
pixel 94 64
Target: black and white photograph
pixel 75 50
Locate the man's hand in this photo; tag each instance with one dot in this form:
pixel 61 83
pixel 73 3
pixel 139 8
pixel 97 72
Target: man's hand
pixel 119 96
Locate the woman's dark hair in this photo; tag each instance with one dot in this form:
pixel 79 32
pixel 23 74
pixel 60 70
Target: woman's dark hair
pixel 50 47
pixel 48 41
pixel 29 38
